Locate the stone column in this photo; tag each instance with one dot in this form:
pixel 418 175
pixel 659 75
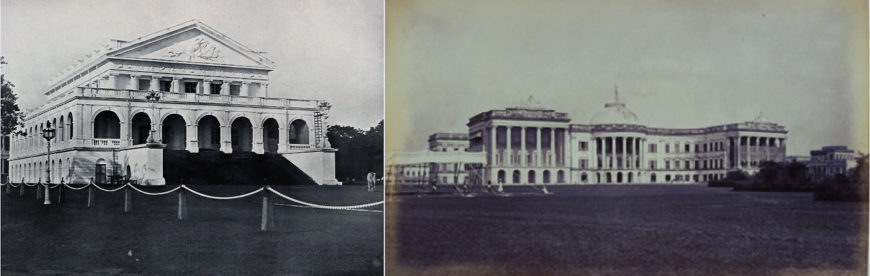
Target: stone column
pixel 539 149
pixel 206 86
pixel 225 88
pixel 523 152
pixel 176 85
pixel 155 83
pixel 243 90
pixel 192 140
pixel 226 140
pixel 265 88
pixel 134 83
pixel 508 150
pixel 492 147
pixel 551 154
pixel 258 139
pixel 282 138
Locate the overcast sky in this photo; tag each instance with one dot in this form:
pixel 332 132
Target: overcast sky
pixel 331 50
pixel 678 64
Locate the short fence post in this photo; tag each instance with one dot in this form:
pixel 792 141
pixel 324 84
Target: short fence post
pixel 21 189
pixel 182 205
pixel 126 200
pixel 90 196
pixel 39 190
pixel 59 191
pixel 265 223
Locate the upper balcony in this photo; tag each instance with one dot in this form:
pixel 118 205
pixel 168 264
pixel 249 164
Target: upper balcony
pixel 111 93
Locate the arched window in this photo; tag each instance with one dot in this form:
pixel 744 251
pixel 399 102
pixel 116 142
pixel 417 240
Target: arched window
pixel 584 178
pixel 140 126
pixel 209 133
pixel 298 132
pixel 619 177
pixel 69 120
pixel 629 178
pixel 516 177
pixel 531 177
pixel 241 134
pixel 546 176
pixel 270 136
pixel 61 127
pixel 501 176
pixel 174 132
pixel 609 179
pixel 652 178
pixel 560 176
pixel 107 126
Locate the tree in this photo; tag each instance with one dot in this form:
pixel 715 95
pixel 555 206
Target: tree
pixel 10 115
pixel 359 152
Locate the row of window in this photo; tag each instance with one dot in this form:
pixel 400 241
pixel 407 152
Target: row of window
pixel 531 177
pixel 698 148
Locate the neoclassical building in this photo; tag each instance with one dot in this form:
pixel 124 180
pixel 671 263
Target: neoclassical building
pixel 534 145
pixel 214 96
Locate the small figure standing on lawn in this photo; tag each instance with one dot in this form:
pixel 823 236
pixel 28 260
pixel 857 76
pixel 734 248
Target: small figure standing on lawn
pixel 371 178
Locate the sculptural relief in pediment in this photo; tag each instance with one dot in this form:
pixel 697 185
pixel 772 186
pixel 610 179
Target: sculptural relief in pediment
pixel 191 46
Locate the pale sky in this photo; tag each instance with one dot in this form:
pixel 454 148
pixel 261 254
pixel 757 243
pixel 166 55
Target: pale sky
pixel 678 64
pixel 331 50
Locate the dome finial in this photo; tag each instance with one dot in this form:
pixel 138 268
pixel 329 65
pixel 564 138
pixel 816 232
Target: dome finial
pixel 616 92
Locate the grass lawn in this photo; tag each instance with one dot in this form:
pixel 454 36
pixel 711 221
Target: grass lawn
pixel 626 229
pixel 217 238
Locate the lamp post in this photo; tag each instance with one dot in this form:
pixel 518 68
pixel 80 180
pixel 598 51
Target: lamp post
pixel 48 134
pixel 152 98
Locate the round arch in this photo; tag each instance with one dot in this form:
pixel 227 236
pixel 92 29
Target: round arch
pixel 531 178
pixel 516 176
pixel 107 125
pixel 501 176
pixel 270 135
pixel 241 134
pixel 140 126
pixel 208 129
pixel 174 130
pixel 298 132
pixel 546 176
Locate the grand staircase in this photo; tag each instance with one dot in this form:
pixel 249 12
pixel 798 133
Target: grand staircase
pixel 218 168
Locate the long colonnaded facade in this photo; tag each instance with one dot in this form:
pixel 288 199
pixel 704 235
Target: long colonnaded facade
pixel 214 96
pixel 534 145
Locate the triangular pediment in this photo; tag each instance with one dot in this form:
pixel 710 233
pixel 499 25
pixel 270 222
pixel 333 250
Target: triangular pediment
pixel 192 45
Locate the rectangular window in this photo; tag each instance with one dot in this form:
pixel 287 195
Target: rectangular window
pixel 144 84
pixel 652 148
pixel 165 85
pixel 705 147
pixel 652 164
pixel 687 148
pixel 190 87
pixel 582 163
pixel 697 148
pixel 583 146
pixel 235 89
pixel 667 148
pixel 677 165
pixel 215 88
pixel 688 164
pixel 676 147
pixel 667 165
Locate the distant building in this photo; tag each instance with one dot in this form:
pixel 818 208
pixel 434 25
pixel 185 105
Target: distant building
pixel 533 145
pixel 830 161
pixel 797 158
pixel 447 162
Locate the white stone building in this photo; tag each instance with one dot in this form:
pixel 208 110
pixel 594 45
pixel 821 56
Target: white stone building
pixel 614 147
pixel 214 96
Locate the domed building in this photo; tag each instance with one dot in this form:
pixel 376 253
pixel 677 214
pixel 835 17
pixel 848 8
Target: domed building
pixel 534 145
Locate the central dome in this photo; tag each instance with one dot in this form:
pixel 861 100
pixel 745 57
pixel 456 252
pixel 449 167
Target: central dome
pixel 614 113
